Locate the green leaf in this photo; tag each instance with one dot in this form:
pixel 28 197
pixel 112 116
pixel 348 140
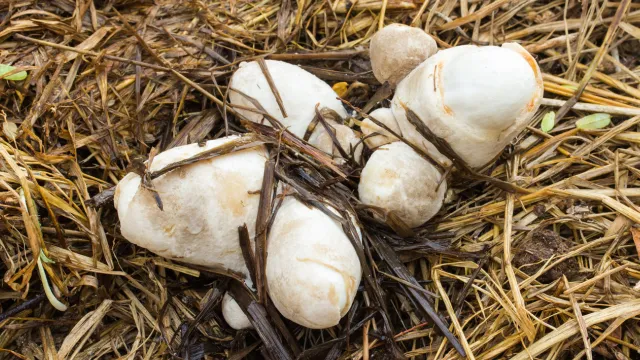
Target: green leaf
pixel 15 77
pixel 548 121
pixel 594 121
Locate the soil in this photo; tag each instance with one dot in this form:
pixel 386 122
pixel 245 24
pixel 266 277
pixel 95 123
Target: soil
pixel 535 251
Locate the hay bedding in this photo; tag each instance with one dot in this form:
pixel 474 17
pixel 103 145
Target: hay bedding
pixel 110 80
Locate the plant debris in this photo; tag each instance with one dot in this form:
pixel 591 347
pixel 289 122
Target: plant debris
pixel 94 86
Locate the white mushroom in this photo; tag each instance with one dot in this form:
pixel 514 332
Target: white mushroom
pixel 397 49
pixel 347 138
pixel 312 269
pixel 385 116
pixel 190 229
pixel 233 314
pixel 203 205
pixel 476 98
pixel 376 136
pixel 300 92
pixel 396 178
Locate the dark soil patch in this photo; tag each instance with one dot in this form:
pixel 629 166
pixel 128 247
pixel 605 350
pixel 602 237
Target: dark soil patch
pixel 535 251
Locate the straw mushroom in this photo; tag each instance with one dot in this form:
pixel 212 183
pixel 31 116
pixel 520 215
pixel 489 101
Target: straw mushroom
pixel 476 98
pixel 397 179
pixel 350 143
pixel 312 269
pixel 299 90
pixel 397 49
pixel 189 229
pixel 375 136
pixel 233 314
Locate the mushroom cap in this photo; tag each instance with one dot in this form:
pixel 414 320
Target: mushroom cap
pixel 397 49
pixel 347 138
pixel 204 203
pixel 396 178
pixel 300 92
pixel 368 127
pixel 476 98
pixel 312 269
pixel 233 314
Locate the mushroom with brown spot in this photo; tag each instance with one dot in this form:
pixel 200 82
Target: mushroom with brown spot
pixel 312 269
pixel 475 98
pixel 188 228
pixel 398 179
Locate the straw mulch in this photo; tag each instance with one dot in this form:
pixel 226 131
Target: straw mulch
pixel 549 271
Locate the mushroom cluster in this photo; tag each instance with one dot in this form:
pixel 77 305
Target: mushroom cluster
pixel 311 264
pixel 477 99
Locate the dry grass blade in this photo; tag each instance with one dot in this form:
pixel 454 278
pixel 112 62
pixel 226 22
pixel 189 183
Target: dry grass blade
pixel 628 309
pixel 83 330
pixel 581 324
pixel 272 85
pixel 622 9
pixel 108 81
pixel 400 270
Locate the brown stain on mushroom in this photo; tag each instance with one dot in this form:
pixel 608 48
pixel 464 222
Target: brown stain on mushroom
pixel 438 72
pixel 532 63
pixel 534 66
pixel 348 280
pixel 388 177
pixel 333 295
pixel 234 195
pixel 532 104
pixel 290 226
pixel 536 73
pixel 168 229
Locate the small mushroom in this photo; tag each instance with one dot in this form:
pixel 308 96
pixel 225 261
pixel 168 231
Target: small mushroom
pixel 374 135
pixel 299 90
pixel 476 98
pixel 396 178
pixel 397 49
pixel 349 141
pixel 312 269
pixel 233 314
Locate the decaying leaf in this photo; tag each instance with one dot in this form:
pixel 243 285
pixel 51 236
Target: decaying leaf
pixel 10 130
pixel 341 88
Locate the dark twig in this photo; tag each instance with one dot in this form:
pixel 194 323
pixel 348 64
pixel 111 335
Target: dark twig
pixel 24 306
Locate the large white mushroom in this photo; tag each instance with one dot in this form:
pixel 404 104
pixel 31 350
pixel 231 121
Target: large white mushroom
pixel 203 205
pixel 476 98
pixel 312 269
pixel 299 90
pixel 397 49
pixel 396 178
